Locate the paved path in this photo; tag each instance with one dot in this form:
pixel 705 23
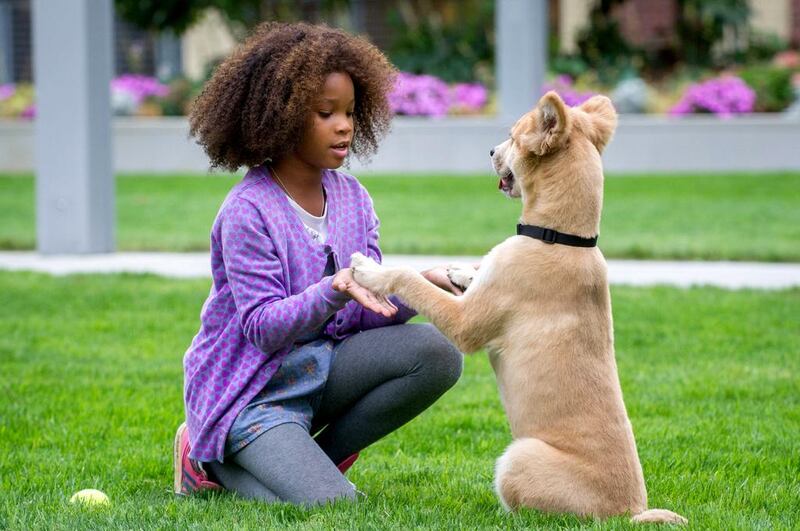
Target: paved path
pixel 733 275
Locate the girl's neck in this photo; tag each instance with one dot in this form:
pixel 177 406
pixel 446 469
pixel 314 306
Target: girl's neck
pixel 298 175
pixel 302 182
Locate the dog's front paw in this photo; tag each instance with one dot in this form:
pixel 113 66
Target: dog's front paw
pixel 370 274
pixel 461 275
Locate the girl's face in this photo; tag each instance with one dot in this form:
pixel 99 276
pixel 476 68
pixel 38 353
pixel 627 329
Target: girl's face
pixel 327 137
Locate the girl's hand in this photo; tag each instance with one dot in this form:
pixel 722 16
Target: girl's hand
pixel 438 277
pixel 344 282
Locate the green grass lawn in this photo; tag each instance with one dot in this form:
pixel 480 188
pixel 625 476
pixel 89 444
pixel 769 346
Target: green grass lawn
pixel 736 217
pixel 91 379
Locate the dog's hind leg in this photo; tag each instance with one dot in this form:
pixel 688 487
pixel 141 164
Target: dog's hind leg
pixel 534 474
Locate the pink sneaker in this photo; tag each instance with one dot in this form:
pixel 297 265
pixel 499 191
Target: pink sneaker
pixel 347 463
pixel 190 478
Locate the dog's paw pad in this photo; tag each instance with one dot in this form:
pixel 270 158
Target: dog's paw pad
pixel 358 260
pixel 364 268
pixel 460 275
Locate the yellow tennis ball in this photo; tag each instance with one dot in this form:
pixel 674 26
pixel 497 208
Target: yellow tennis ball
pixel 92 497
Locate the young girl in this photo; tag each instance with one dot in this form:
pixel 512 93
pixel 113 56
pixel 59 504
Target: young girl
pixel 296 368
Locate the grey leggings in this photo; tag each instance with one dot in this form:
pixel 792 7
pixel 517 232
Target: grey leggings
pixel 379 380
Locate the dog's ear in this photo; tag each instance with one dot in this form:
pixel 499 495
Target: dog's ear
pixel 602 120
pixel 551 125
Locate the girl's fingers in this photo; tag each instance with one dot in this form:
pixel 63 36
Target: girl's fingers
pixel 387 308
pixel 391 308
pixel 380 307
pixel 388 303
pixel 383 309
pixel 369 300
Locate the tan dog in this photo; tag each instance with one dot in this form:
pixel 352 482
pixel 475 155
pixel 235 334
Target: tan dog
pixel 544 313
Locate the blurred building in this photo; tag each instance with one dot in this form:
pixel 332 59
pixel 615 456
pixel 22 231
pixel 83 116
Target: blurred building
pixel 648 24
pixel 135 50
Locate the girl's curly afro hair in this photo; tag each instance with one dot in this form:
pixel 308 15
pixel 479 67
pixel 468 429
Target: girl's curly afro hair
pixel 256 104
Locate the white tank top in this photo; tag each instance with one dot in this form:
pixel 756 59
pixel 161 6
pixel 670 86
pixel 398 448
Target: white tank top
pixel 317 226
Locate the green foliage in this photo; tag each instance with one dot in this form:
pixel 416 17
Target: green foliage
pixel 182 92
pixel 761 47
pixel 161 15
pixel 572 65
pixel 703 23
pixel 178 15
pixel 250 13
pixel 454 41
pixel 91 377
pixel 773 86
pixel 602 46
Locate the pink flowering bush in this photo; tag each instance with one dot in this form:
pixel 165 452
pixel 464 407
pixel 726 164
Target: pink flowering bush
pixel 563 85
pixel 16 101
pixel 6 91
pixel 468 97
pixel 723 96
pixel 423 95
pixel 139 87
pixel 787 59
pixel 130 92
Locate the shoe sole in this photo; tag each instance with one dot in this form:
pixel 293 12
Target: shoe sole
pixel 177 462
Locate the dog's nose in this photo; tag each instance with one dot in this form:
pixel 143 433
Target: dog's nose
pixel 491 152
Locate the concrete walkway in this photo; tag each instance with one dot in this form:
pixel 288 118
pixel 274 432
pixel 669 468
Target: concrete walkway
pixel 731 275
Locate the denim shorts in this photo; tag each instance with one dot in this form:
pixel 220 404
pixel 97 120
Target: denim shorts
pixel 293 394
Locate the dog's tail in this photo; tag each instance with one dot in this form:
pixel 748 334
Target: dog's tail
pixel 659 516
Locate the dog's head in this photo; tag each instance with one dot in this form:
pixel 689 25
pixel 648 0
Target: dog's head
pixel 552 140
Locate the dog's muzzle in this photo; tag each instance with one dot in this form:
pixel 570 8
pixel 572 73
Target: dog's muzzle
pixel 506 182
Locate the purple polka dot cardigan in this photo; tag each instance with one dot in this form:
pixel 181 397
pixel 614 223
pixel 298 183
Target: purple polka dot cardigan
pixel 266 292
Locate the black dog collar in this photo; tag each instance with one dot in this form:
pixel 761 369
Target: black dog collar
pixel 553 236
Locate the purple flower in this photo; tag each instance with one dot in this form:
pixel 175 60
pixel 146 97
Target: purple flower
pixel 723 96
pixel 562 84
pixel 139 88
pixel 469 96
pixel 29 112
pixel 422 95
pixel 7 90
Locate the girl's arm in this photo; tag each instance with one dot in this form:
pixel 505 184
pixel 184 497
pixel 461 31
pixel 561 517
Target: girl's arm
pixel 269 316
pixel 371 319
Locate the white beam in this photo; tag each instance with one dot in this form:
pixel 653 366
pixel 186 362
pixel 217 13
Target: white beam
pixel 74 180
pixel 521 55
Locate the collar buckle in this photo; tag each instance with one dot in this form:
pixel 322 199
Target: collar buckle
pixel 549 236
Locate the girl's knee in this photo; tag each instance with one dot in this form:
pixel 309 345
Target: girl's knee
pixel 441 359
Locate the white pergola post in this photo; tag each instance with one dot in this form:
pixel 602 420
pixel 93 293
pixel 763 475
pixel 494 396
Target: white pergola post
pixel 74 179
pixel 520 55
